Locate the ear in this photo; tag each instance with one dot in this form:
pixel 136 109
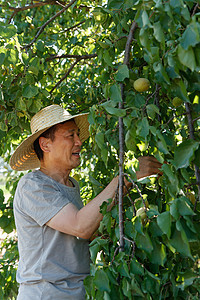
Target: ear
pixel 44 144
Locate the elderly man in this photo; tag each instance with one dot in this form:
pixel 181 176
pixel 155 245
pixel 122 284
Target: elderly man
pixel 53 225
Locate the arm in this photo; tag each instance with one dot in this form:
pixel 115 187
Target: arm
pixel 84 222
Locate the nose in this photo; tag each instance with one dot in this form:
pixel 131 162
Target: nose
pixel 77 140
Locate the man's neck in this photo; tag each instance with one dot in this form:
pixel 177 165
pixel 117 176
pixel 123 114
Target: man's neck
pixel 61 176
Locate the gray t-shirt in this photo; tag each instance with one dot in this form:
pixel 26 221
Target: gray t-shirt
pixel 52 265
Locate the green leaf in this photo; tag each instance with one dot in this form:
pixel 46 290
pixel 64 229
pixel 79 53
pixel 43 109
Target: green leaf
pixel 103 45
pixel 20 104
pixel 4 222
pixel 144 38
pixel 30 91
pixel 126 288
pixel 175 3
pixel 101 281
pixel 161 144
pixel 139 100
pixel 114 111
pixel 93 252
pixel 130 141
pixel 145 18
pixel 183 207
pixel 129 229
pixel 7 31
pixel 187 57
pixel 184 153
pixel 152 110
pixel 106 296
pixel 12 56
pixel 144 242
pixel 107 58
pixel 123 269
pixel 2 57
pixel 136 288
pixel 186 279
pixel 179 89
pixel 158 255
pixel 164 222
pixel 88 284
pixel 190 37
pixel 181 246
pixel 115 93
pixel 94 181
pixel 138 225
pixel 122 73
pixel 161 74
pixel 158 32
pixel 143 128
pixel 174 210
pixel 99 138
pixel 136 268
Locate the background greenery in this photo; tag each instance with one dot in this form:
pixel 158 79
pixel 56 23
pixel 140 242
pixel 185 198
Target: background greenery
pixel 73 53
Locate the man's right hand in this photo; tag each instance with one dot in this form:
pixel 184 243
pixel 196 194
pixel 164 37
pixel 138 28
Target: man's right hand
pixel 148 165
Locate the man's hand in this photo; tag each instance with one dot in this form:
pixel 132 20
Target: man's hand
pixel 148 165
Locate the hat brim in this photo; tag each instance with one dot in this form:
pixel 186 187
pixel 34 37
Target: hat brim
pixel 24 158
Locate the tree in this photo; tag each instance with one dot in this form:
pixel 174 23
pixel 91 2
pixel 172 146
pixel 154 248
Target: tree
pixel 86 56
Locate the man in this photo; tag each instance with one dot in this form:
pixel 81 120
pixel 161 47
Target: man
pixel 53 225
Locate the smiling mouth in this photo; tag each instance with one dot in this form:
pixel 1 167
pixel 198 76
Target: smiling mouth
pixel 76 154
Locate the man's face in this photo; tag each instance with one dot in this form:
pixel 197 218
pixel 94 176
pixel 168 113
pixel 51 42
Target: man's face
pixel 66 146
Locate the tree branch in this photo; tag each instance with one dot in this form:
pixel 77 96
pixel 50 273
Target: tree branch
pixel 132 242
pixel 156 100
pixel 23 8
pixel 194 10
pixel 151 96
pixel 86 56
pixel 121 140
pixel 191 132
pixel 65 76
pixel 128 43
pixel 138 190
pixel 49 21
pixel 76 25
pixel 195 119
pixel 78 58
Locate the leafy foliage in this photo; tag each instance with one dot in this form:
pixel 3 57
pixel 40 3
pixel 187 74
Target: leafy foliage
pixel 72 53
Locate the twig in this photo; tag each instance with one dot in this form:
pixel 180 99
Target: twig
pixel 136 186
pixel 169 120
pixel 133 243
pixel 157 101
pixel 116 250
pixel 78 58
pixel 59 3
pixel 194 10
pixel 65 76
pixel 151 96
pixel 132 202
pixel 195 119
pixel 76 25
pixel 17 9
pixel 49 21
pixel 86 56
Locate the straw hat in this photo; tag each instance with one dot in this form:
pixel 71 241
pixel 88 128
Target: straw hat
pixel 24 157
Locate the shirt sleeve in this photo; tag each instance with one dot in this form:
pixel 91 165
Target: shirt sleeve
pixel 40 199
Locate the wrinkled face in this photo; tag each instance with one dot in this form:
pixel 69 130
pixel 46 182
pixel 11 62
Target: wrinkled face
pixel 64 150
